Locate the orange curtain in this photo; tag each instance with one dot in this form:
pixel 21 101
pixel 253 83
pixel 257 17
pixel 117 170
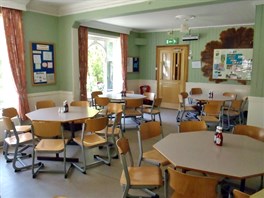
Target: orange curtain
pixel 16 53
pixel 124 44
pixel 83 60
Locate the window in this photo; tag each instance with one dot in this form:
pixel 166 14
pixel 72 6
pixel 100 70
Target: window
pixel 104 63
pixel 8 95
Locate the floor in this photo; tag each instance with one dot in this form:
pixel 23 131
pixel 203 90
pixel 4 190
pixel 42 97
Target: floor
pixel 100 181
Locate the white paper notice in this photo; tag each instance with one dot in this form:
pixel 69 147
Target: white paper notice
pixel 47 56
pixel 40 77
pixel 37 59
pixel 50 65
pixel 196 64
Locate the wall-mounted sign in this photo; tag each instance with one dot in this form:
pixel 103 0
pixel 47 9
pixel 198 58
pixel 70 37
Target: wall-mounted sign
pixel 172 41
pixel 43 63
pixel 132 64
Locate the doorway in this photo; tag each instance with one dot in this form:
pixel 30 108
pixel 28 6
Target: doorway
pixel 172 72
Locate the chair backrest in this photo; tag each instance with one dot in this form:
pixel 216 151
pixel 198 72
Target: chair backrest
pixel 114 107
pixel 236 105
pixel 212 109
pixel 149 130
pixel 125 154
pixel 185 185
pixel 195 91
pixel 157 102
pixel 134 103
pixel 239 194
pixel 130 91
pixel 190 126
pixel 9 126
pixel 45 129
pixel 94 95
pixel 251 131
pixel 95 124
pixel 44 104
pixel 83 103
pixel 10 112
pixel 230 94
pixel 101 102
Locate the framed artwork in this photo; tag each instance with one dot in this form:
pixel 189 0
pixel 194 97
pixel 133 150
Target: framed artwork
pixel 43 63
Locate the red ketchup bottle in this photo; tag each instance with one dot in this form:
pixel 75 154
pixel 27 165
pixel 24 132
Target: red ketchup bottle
pixel 219 138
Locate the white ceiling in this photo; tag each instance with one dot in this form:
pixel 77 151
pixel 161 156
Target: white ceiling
pixel 241 12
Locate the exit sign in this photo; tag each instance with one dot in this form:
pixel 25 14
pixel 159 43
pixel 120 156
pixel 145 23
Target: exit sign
pixel 172 41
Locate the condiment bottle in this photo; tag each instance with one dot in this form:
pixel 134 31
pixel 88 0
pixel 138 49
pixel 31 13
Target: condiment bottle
pixel 66 106
pixel 219 137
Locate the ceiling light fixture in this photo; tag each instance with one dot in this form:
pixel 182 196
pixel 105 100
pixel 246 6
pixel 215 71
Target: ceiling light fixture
pixel 185 18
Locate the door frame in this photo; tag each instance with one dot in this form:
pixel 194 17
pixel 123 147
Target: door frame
pixel 185 48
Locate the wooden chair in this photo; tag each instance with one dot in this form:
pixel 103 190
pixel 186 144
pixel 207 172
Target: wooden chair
pixel 101 104
pixel 211 114
pixel 94 95
pixel 233 112
pixel 148 101
pixel 239 194
pixel 182 185
pixel 76 125
pixel 79 103
pixel 130 91
pixel 154 110
pixel 133 108
pixel 51 141
pixel 13 114
pixel 190 126
pixel 21 142
pixel 132 177
pixel 147 131
pixel 44 104
pixel 89 140
pixel 183 107
pixel 228 103
pixel 253 132
pixel 196 90
pixel 114 131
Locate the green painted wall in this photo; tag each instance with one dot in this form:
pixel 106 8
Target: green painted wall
pixel 257 83
pixel 148 52
pixel 58 30
pixel 40 28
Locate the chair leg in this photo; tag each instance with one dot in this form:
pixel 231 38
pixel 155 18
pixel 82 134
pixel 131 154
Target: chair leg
pixel 160 119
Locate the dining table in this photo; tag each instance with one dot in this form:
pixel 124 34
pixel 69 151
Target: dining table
pixel 119 97
pixel 216 97
pixel 56 114
pixel 240 157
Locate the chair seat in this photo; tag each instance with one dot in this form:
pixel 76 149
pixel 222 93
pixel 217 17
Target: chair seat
pixel 23 138
pixel 144 175
pixel 132 112
pixel 50 145
pixel 90 140
pixel 117 131
pixel 208 118
pixel 154 155
pixel 231 113
pixel 23 128
pixel 151 111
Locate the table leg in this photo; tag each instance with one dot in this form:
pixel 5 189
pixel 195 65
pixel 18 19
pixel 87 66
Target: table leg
pixel 242 185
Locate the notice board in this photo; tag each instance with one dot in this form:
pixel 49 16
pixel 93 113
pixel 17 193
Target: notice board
pixel 233 64
pixel 43 63
pixel 132 64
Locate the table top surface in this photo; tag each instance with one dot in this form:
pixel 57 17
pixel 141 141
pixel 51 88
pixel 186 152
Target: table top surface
pixel 216 97
pixel 53 114
pixel 240 156
pixel 259 194
pixel 118 96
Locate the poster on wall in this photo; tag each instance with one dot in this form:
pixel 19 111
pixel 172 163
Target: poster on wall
pixel 132 64
pixel 43 63
pixel 232 64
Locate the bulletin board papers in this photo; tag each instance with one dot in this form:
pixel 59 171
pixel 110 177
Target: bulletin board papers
pixel 132 64
pixel 43 64
pixel 232 64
